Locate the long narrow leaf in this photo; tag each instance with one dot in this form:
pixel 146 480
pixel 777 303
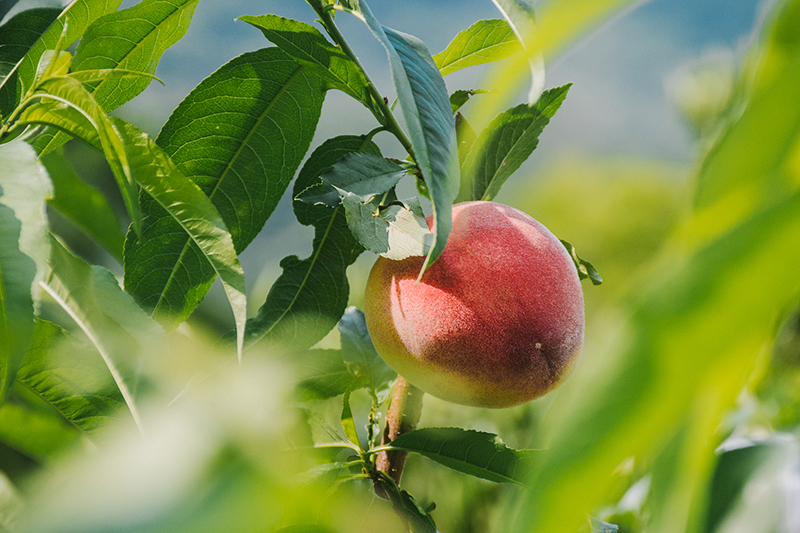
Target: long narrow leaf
pixel 72 378
pixel 429 119
pixel 77 17
pixel 68 105
pixel 193 214
pixel 133 39
pixel 558 24
pixel 240 136
pixel 73 286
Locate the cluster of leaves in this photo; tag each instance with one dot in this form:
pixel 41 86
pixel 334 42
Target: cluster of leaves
pixel 199 193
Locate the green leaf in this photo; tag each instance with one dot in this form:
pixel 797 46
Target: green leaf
pixel 362 174
pixel 519 14
pixel 395 231
pixel 359 354
pixel 483 42
pixel 86 293
pixel 429 119
pixel 505 144
pixel 414 516
pixel 475 453
pixel 17 272
pixel 598 526
pixel 735 468
pixel 459 98
pixel 84 205
pixel 24 186
pixel 585 268
pixel 311 49
pixel 193 215
pixel 239 136
pixel 325 435
pixel 73 379
pixel 348 423
pixel 66 104
pixel 465 136
pixel 77 17
pixel 20 33
pixel 132 39
pixel 326 376
pixel 33 428
pixel 310 296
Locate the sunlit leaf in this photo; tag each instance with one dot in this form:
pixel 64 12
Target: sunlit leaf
pixel 429 119
pixel 121 43
pixel 475 453
pixel 72 378
pixel 310 296
pixel 78 287
pixel 132 39
pixel 66 104
pixel 483 42
pixel 731 186
pixel 459 98
pixel 348 423
pixel 192 213
pixel 17 272
pixel 77 16
pixel 505 144
pixel 33 428
pixel 697 311
pixel 308 47
pixel 20 33
pixel 239 136
pixel 83 205
pixel 397 231
pixel 24 186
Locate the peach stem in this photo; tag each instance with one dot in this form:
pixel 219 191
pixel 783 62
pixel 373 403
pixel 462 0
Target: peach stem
pixel 403 416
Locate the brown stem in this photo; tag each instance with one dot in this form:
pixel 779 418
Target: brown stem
pixel 403 415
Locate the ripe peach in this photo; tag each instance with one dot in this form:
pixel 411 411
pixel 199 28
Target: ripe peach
pixel 496 321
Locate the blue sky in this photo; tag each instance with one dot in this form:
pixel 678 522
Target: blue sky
pixel 619 102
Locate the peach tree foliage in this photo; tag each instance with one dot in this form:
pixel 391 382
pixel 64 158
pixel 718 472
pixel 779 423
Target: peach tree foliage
pixel 201 191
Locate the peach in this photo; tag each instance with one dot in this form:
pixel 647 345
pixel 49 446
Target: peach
pixel 496 321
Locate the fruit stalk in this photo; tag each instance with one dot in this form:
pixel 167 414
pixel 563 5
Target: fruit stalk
pixel 403 416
